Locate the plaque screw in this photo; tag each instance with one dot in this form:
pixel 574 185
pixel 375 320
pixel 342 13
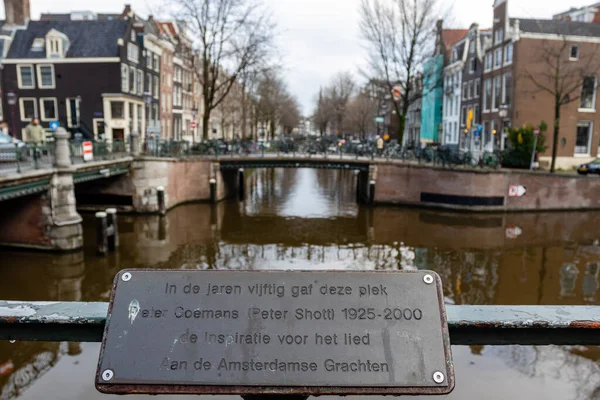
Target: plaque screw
pixel 428 279
pixel 126 277
pixel 107 375
pixel 438 377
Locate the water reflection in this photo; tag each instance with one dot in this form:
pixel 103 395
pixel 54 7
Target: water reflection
pixel 307 219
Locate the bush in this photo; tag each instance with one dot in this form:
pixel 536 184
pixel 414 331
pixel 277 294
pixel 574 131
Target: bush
pixel 521 143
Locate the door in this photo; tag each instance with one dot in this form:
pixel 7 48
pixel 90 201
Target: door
pixel 118 134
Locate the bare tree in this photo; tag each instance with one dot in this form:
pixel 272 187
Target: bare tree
pixel 290 114
pixel 399 39
pixel 275 106
pixel 557 75
pixel 338 95
pixel 229 36
pixel 361 113
pixel 323 114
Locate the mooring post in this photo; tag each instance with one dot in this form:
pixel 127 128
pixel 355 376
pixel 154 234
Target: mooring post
pixel 357 175
pixel 112 229
pixel 241 187
pixel 101 233
pixel 213 190
pixel 372 192
pixel 160 197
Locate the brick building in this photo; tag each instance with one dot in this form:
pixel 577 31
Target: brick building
pixel 516 67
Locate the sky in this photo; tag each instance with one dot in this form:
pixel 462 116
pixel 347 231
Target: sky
pixel 319 38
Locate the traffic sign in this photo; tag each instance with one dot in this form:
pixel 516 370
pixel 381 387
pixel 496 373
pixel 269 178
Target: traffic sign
pixel 193 124
pixel 517 191
pixel 397 92
pixel 379 120
pixel 88 151
pixel 536 131
pixel 54 125
pixel 513 232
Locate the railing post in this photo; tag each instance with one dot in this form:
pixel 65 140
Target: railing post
pixel 241 187
pixel 61 152
pixel 134 139
pixel 113 228
pixel 371 192
pixel 101 233
pixel 17 157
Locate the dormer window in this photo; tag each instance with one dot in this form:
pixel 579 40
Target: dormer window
pixel 57 44
pixel 38 44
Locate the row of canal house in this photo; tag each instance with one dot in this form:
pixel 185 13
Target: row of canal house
pixel 103 75
pixel 488 80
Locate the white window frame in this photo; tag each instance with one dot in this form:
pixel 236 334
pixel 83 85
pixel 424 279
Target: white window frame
pixel 19 77
pixel 39 76
pixel 589 145
pixel 506 53
pixel 95 126
pixel 504 88
pixel 77 109
pixel 571 58
pixel 129 88
pixel 593 109
pixel 139 81
pixel 498 58
pixel 130 48
pixel 125 74
pixel 472 64
pixel 494 79
pixel 498 35
pixel 155 86
pixel 22 108
pixel 43 116
pixel 477 88
pixel 488 61
pixel 486 106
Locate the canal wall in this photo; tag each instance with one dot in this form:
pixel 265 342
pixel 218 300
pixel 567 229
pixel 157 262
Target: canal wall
pixel 183 180
pixel 483 190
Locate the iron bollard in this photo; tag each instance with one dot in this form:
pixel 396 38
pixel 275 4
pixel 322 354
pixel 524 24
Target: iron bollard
pixel 112 229
pixel 101 233
pixel 160 197
pixel 357 174
pixel 372 192
pixel 213 190
pixel 241 188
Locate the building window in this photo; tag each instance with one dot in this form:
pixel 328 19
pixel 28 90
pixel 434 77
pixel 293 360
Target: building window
pixel 48 108
pixel 508 54
pixel 131 80
pixel 28 108
pixel 463 116
pixel 487 94
pixel 155 113
pixel 148 59
pixel 472 47
pixel 156 87
pixel 464 91
pixel 588 93
pixel 25 77
pixel 45 75
pixel 584 136
pixel 124 74
pixel 472 65
pixel 477 87
pixel 139 126
pixel 132 35
pixel 117 110
pixel 38 44
pixel 133 52
pixel 488 61
pixel 506 88
pixel 140 82
pixel 155 63
pixel 471 95
pixel 498 57
pixel 73 117
pixel 574 53
pixel 499 36
pixel 476 119
pixel 497 92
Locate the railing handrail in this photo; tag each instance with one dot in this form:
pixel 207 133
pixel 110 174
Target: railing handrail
pixel 468 324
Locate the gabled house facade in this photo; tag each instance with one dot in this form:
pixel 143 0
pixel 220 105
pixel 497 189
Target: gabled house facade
pixel 83 74
pixel 452 94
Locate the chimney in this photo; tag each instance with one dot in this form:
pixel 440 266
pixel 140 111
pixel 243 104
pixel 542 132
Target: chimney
pixel 17 12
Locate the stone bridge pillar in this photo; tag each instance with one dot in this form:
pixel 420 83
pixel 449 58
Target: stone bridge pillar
pixel 64 223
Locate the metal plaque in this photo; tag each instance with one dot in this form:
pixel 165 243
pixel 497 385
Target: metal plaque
pixel 270 332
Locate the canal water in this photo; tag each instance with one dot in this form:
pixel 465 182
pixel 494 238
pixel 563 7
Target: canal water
pixel 308 219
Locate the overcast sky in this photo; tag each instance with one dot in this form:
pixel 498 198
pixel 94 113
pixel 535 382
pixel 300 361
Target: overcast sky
pixel 320 37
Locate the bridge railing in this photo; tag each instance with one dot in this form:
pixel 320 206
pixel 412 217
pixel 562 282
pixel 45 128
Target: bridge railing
pixel 468 324
pixel 20 157
pixel 102 150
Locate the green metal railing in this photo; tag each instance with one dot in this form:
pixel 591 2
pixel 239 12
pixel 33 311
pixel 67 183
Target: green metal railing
pixel 468 325
pixel 18 157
